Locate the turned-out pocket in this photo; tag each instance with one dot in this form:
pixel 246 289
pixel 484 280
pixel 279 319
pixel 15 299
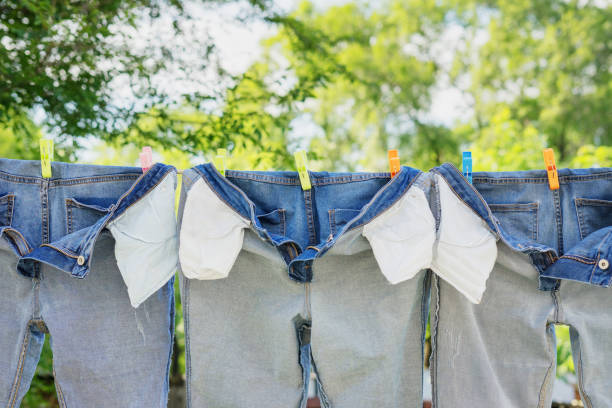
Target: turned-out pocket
pixel 82 213
pixel 339 217
pixel 593 214
pixel 520 220
pixel 7 203
pixel 211 234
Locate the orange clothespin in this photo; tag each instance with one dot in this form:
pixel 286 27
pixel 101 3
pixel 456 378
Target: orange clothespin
pixel 146 158
pixel 551 168
pixel 394 162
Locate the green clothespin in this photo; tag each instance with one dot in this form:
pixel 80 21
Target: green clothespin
pixel 219 160
pixel 302 167
pixel 46 157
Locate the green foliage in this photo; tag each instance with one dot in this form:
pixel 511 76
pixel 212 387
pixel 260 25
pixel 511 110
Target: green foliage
pixel 548 62
pixel 565 362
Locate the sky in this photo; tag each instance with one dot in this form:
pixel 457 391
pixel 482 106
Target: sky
pixel 239 45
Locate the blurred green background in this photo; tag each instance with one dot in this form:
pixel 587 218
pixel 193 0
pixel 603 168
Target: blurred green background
pixel 346 80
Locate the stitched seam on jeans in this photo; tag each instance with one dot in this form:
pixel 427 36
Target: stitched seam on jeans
pixel 546 382
pixel 332 227
pixel 187 340
pixel 315 181
pixel 580 216
pixel 20 365
pixel 518 207
pixel 65 252
pixel 580 378
pixel 8 232
pixel 497 233
pixel 595 202
pixel 433 361
pixel 537 179
pixel 579 259
pixel 537 223
pixel 284 221
pixel 60 395
pixel 402 194
pixel 203 177
pixel 10 202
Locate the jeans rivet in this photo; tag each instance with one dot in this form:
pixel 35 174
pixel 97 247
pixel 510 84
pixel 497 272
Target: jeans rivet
pixel 603 264
pixel 80 260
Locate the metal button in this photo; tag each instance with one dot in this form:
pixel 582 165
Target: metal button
pixel 603 264
pixel 80 260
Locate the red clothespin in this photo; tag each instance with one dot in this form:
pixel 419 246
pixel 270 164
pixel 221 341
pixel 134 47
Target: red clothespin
pixel 394 162
pixel 146 158
pixel 551 168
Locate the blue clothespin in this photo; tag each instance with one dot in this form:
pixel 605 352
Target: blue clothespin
pixel 467 166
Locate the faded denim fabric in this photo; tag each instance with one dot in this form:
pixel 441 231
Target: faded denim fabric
pixel 552 268
pixel 60 276
pixel 278 282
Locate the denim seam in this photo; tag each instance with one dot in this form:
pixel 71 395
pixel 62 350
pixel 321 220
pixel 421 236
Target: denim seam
pixel 594 269
pixel 587 399
pixel 583 260
pixel 172 339
pixel 66 181
pixel 324 180
pixel 63 251
pixel 203 177
pixel 580 217
pixel 20 365
pixel 546 381
pixel 44 208
pixel 514 207
pixel 10 229
pixel 433 360
pixel 331 214
pixel 536 223
pixel 284 220
pixel 399 196
pixel 538 180
pixel 185 300
pixel 496 232
pixel 10 202
pixel 424 316
pixel 60 395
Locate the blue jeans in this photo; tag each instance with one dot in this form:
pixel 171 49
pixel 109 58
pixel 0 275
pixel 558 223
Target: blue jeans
pixel 279 282
pixel 60 248
pixel 557 241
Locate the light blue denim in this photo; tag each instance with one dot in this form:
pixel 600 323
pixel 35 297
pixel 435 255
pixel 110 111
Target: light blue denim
pixel 305 294
pixel 59 276
pixel 552 269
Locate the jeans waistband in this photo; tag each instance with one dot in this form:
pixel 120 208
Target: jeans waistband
pixel 29 171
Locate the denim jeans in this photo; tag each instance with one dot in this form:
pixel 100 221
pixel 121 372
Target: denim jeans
pixel 67 249
pixel 280 282
pixel 552 268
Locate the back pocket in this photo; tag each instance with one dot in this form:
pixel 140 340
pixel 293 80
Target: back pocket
pixel 519 220
pixel 592 215
pixel 7 203
pixel 80 214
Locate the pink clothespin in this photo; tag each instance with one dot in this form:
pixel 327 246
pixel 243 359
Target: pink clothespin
pixel 146 158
